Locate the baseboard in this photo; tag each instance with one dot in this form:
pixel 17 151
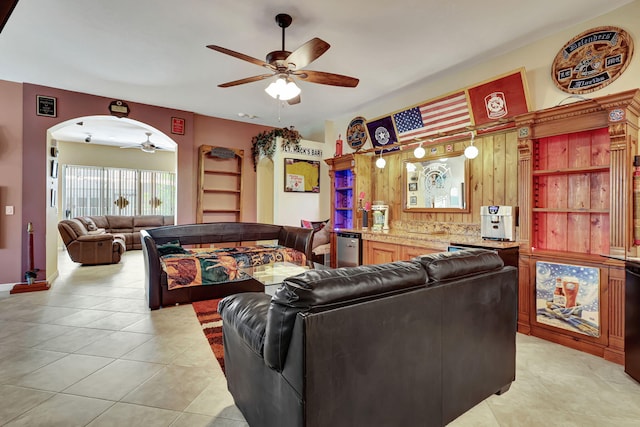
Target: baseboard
pixel 6 287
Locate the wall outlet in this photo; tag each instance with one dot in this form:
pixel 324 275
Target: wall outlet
pixel 8 210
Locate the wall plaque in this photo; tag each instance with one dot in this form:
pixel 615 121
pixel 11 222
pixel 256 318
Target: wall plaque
pixel 357 133
pixel 119 109
pixel 47 106
pixel 592 60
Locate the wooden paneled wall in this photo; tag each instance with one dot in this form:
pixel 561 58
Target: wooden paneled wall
pixel 493 177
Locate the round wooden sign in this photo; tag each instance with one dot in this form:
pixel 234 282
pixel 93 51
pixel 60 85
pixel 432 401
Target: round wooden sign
pixel 357 133
pixel 592 60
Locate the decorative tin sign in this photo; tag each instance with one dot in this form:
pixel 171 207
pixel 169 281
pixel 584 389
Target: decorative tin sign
pixel 592 60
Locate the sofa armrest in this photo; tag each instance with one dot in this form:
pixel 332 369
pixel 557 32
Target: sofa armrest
pixel 246 313
pixel 153 270
pixel 297 238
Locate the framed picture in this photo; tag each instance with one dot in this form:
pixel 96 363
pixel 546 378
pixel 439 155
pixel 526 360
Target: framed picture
pixel 46 106
pixel 54 168
pixel 301 176
pixel 413 186
pixel 54 198
pixel 568 297
pixel 413 200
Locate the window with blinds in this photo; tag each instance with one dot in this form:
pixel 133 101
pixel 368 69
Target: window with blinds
pixel 90 190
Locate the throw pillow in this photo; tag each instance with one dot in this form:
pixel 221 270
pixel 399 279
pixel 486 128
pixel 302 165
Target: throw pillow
pixel 88 222
pixel 170 248
pixel 320 237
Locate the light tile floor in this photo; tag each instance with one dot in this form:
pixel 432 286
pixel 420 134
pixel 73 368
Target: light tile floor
pixel 89 352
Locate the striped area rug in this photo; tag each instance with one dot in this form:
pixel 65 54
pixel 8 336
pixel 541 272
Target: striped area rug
pixel 207 313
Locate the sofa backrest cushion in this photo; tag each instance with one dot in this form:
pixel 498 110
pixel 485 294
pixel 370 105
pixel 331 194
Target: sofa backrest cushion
pixel 100 221
pixel 445 266
pixel 317 288
pixel 122 224
pixel 147 221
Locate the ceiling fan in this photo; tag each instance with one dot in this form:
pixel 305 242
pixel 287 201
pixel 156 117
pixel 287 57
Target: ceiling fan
pixel 288 65
pixel 146 146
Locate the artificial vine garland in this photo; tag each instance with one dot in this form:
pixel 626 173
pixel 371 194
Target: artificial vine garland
pixel 264 144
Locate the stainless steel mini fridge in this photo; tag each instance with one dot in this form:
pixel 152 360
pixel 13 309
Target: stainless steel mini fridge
pixel 632 320
pixel 349 249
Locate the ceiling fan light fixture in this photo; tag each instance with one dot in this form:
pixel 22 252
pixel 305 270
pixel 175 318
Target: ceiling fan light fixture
pixel 147 149
pixel 283 89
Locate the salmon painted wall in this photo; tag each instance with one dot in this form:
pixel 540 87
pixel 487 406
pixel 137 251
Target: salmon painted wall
pixel 228 133
pixel 23 161
pixel 10 181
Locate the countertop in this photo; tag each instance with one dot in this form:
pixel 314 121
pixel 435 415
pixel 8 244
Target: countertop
pixel 428 240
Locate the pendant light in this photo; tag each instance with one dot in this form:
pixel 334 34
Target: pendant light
pixel 471 152
pixel 419 152
pixel 380 163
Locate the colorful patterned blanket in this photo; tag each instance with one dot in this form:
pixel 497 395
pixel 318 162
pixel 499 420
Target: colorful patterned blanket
pixel 211 266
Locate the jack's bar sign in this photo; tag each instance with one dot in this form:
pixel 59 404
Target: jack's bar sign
pixel 592 60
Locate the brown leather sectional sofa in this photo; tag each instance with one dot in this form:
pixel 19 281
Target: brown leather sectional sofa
pixel 102 239
pixel 400 344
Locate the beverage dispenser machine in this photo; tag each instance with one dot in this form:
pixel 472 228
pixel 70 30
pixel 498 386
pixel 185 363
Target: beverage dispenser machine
pixel 498 222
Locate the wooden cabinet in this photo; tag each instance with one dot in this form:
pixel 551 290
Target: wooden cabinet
pixel 381 252
pixel 350 175
pixel 574 193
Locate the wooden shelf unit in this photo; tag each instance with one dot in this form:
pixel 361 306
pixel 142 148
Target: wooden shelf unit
pixel 219 185
pixel 574 192
pixel 350 175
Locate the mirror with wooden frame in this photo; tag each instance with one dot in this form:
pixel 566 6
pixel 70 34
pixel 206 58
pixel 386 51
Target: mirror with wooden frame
pixel 437 184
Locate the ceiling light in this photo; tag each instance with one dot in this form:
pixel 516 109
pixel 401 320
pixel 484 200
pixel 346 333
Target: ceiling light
pixel 419 152
pixel 283 88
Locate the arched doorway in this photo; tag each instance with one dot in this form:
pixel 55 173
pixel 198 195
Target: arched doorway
pixel 99 141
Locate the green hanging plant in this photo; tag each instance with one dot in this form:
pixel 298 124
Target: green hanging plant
pixel 264 143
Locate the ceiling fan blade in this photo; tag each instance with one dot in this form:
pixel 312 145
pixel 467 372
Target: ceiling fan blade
pixel 241 56
pixel 5 11
pixel 307 53
pixel 131 146
pixel 326 78
pixel 294 101
pixel 247 80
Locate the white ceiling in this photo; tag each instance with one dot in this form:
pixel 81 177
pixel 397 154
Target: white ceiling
pixel 153 51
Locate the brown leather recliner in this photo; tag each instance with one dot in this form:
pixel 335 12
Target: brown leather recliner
pixel 90 248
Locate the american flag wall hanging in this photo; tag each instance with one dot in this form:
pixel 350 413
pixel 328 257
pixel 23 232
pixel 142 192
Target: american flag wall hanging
pixel 446 114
